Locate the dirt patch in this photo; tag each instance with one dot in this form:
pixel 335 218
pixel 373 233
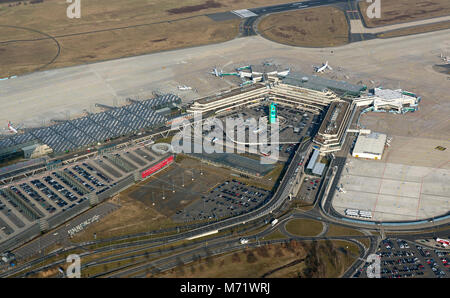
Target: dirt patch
pixel 178 186
pixel 304 227
pixel 315 27
pixel 194 8
pixel 288 260
pixel 22 57
pixel 401 11
pixel 159 40
pixel 444 68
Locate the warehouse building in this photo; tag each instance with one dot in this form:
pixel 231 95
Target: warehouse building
pixel 315 165
pixel 370 146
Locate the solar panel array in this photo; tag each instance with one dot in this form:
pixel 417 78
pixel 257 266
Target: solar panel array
pixel 94 128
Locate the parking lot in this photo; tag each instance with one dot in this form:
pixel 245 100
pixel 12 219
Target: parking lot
pixel 58 190
pixel 309 188
pixel 406 259
pixel 230 198
pixel 294 126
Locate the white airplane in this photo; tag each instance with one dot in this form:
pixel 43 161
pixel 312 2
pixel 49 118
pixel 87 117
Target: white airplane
pixel 323 67
pixel 11 128
pixel 445 58
pixel 216 72
pixel 340 189
pixel 444 242
pixel 184 88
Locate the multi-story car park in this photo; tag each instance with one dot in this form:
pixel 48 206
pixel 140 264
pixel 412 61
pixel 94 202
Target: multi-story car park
pixel 54 192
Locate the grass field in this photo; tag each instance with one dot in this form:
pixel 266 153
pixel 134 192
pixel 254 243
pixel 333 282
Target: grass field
pixel 415 30
pixel 335 230
pixel 315 27
pixel 401 11
pixel 304 227
pixel 275 235
pixel 296 259
pixel 137 212
pixel 41 36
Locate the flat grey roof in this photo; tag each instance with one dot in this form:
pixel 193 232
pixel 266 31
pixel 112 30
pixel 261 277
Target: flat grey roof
pixel 320 84
pixel 318 168
pixel 265 68
pixel 313 159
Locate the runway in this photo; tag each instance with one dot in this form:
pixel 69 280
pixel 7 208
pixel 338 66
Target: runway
pixel 37 98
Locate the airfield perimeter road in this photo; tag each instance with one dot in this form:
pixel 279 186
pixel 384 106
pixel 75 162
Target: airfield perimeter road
pixel 188 252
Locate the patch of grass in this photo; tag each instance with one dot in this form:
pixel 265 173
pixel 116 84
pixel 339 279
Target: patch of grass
pixel 401 11
pixel 294 259
pixel 314 27
pixel 275 235
pixel 365 241
pixel 275 173
pixel 109 29
pixel 335 230
pixel 302 206
pixel 304 227
pixel 245 263
pixel 167 140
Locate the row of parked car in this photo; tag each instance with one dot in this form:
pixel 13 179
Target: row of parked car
pixel 38 198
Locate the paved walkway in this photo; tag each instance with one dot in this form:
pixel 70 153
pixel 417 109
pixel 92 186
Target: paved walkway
pixel 358 27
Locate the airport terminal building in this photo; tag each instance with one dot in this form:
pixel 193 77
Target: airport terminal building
pixel 333 129
pixel 394 101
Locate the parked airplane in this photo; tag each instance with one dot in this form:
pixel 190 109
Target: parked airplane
pixel 184 88
pixel 216 72
pixel 11 128
pixel 445 58
pixel 340 189
pixel 323 67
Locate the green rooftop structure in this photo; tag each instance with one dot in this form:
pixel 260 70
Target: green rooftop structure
pixel 273 112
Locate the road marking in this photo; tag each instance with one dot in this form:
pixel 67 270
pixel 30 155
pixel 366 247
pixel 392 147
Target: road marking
pixel 244 13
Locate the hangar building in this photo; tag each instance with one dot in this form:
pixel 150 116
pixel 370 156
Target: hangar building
pixel 370 146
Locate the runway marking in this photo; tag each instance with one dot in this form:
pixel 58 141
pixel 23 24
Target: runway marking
pixel 244 13
pixel 113 92
pixel 381 182
pixel 420 193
